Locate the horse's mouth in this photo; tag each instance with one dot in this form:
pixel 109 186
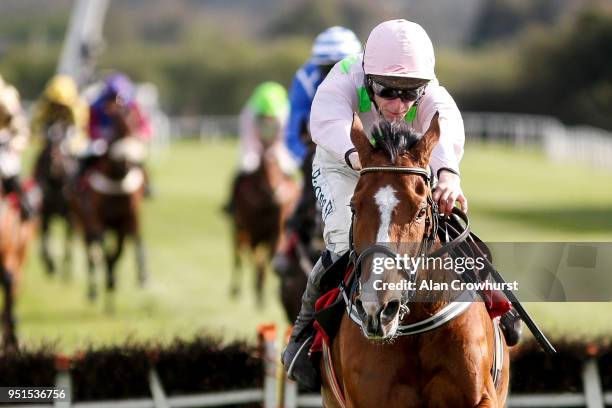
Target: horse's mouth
pixel 381 333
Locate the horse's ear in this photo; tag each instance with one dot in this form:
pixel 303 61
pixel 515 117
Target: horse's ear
pixel 428 142
pixel 360 139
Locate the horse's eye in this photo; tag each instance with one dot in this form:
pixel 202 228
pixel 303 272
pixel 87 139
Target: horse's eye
pixel 422 213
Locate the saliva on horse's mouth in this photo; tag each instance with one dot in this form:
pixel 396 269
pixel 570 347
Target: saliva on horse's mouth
pixel 375 338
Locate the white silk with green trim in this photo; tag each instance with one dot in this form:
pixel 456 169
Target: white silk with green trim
pixel 343 93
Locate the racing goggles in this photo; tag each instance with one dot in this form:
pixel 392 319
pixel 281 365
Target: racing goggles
pixel 406 95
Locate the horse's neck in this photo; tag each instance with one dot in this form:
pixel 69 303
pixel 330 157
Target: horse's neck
pixel 56 160
pixel 271 169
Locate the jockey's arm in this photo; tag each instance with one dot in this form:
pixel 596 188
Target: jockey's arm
pixel 299 115
pixel 449 150
pixel 331 115
pixel 249 148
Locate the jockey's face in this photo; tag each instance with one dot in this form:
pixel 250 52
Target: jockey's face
pixel 393 110
pixel 267 128
pixel 394 96
pixel 115 105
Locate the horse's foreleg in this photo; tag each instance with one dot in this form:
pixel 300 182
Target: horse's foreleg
pixel 68 234
pixel 9 337
pixel 261 258
pixel 111 262
pixel 259 284
pixel 44 247
pixel 95 256
pixel 141 260
pixel 237 267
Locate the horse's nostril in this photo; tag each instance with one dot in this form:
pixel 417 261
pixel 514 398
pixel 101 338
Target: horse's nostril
pixel 360 309
pixel 390 311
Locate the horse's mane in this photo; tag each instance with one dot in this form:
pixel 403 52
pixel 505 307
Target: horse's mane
pixel 394 138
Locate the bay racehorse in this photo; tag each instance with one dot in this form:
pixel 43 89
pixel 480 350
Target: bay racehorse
pixel 15 235
pixel 393 349
pixel 108 200
pixel 54 170
pixel 261 203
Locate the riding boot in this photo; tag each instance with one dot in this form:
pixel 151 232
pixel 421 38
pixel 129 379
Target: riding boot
pixel 13 185
pixel 510 324
pixel 295 356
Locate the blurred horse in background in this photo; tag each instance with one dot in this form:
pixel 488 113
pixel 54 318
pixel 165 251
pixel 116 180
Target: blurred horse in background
pixel 108 200
pixel 261 203
pixel 54 169
pixel 304 230
pixel 15 235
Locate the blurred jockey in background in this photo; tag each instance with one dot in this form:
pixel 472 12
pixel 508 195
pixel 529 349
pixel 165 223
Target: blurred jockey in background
pixel 118 97
pixel 14 136
pixel 261 129
pixel 330 46
pixel 118 94
pixel 60 104
pixel 262 125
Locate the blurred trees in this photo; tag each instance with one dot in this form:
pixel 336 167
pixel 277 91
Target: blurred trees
pixel 29 68
pixel 569 74
pixel 203 66
pixel 563 71
pixel 309 18
pixel 503 19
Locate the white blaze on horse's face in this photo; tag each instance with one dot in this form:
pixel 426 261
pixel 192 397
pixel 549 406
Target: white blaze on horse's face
pixel 373 302
pixel 386 201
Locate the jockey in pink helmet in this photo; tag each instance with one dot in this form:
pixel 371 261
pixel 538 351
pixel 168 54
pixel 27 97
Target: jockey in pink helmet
pixel 394 80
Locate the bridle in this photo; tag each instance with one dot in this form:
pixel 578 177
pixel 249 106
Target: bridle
pixel 433 223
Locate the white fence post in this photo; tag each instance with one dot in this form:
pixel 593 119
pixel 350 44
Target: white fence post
pixel 157 390
pixel 592 384
pixel 63 381
pixel 267 337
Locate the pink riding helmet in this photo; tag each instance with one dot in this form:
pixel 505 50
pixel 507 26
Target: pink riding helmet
pixel 399 48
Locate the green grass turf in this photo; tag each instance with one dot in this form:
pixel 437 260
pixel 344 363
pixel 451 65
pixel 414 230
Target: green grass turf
pixel 513 196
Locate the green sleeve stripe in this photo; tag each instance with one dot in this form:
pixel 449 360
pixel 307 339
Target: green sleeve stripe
pixel 345 64
pixel 411 114
pixel 365 105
